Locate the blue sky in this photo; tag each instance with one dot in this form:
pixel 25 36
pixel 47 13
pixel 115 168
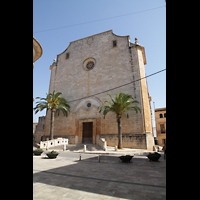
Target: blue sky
pixel 147 24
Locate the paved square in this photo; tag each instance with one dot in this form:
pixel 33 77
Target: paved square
pixel 66 177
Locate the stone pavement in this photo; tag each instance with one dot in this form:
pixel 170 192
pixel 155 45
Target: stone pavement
pixel 67 177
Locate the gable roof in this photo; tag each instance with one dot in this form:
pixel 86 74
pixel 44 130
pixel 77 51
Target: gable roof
pixel 111 31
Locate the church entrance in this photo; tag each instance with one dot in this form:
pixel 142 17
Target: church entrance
pixel 87 132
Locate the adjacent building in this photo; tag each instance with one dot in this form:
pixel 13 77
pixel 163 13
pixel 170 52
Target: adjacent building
pixel 39 130
pixel 34 126
pixel 37 50
pixel 160 117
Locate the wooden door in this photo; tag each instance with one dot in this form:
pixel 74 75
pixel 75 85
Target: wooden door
pixel 87 132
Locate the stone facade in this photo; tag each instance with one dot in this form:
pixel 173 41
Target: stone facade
pixel 92 65
pixel 34 126
pixel 39 131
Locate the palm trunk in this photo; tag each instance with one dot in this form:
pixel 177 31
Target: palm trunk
pixel 52 124
pixel 119 132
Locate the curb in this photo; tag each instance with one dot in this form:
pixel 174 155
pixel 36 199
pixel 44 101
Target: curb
pixel 114 153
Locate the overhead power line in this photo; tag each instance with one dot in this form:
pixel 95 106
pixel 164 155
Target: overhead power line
pixel 98 20
pixel 118 86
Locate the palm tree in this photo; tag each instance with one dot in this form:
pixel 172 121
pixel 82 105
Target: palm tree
pixel 119 105
pixel 54 102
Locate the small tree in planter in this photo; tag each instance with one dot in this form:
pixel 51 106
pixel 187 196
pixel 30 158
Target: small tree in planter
pixel 52 154
pixel 37 152
pixel 154 156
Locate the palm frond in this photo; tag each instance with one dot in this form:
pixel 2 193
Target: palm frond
pixel 63 110
pixel 126 97
pixel 106 110
pixel 113 100
pixel 57 94
pixel 40 107
pixel 110 103
pixel 101 108
pixel 119 105
pixel 53 101
pixel 134 108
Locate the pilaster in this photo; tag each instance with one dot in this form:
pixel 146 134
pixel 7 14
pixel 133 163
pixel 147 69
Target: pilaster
pixel 145 96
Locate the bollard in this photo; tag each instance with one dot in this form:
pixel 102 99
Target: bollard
pixel 99 158
pixel 84 149
pixel 115 148
pixel 47 147
pixel 64 147
pixel 79 156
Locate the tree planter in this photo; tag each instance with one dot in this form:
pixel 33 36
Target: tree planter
pixel 126 158
pixel 38 152
pixel 154 156
pixel 52 154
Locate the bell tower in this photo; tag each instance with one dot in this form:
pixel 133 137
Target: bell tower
pixel 145 98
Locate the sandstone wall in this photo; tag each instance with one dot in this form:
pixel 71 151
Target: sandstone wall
pixel 114 66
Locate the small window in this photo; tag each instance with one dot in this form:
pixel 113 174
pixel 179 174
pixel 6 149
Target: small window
pixel 114 43
pixel 89 105
pixel 164 141
pixel 67 55
pixel 162 128
pixel 164 114
pixel 161 115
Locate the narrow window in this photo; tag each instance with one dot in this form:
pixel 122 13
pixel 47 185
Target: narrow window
pixel 114 43
pixel 164 114
pixel 164 141
pixel 162 128
pixel 67 55
pixel 161 115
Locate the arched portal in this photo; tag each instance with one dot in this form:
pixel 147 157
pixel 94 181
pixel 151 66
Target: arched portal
pixel 87 120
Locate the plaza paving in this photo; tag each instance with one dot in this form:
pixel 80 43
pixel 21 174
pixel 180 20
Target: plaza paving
pixel 67 177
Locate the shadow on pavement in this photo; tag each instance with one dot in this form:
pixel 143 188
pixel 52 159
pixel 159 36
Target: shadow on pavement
pixel 139 179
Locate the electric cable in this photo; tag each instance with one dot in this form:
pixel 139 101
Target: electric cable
pixel 98 20
pixel 117 86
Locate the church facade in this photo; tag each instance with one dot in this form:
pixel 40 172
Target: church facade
pixel 82 72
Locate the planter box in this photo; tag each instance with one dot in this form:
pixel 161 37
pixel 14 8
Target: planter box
pixel 154 157
pixel 125 158
pixel 52 155
pixel 37 153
